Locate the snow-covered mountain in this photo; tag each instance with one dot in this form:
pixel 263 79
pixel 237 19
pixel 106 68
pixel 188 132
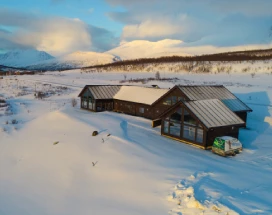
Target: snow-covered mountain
pixel 22 58
pixel 146 49
pixel 39 60
pixel 75 60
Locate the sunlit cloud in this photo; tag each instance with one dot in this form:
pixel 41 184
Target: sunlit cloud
pixel 55 35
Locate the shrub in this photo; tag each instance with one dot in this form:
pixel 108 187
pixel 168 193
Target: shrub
pixel 73 102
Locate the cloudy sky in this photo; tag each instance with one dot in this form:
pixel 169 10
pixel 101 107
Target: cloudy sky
pixel 64 26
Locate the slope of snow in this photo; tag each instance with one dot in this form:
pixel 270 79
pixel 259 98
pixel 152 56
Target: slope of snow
pixel 22 58
pixel 76 60
pixel 146 49
pixel 138 171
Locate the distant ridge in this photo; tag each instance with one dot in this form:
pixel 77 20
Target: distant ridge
pixel 250 55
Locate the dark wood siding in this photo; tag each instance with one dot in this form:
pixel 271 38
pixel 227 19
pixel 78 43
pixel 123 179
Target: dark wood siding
pixel 134 109
pixel 232 131
pixel 166 101
pixel 104 105
pixel 242 115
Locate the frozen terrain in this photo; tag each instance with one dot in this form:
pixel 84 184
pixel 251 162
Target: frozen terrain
pixel 47 151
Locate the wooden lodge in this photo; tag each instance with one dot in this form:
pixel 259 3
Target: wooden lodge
pixel 190 114
pixel 200 122
pixel 197 93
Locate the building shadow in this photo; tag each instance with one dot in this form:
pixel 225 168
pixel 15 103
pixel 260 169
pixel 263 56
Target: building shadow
pixel 256 126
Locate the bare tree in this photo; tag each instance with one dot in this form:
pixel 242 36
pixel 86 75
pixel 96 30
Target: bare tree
pixel 158 75
pixel 73 102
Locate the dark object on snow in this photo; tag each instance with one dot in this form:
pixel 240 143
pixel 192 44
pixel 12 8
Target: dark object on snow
pixel 94 163
pixel 55 143
pixel 108 135
pixel 95 133
pixel 14 121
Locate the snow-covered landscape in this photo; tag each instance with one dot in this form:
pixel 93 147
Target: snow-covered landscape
pixel 123 107
pixel 51 164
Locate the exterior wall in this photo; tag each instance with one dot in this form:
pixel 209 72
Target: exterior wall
pixel 104 105
pixel 232 131
pixel 87 101
pixel 242 115
pixel 134 109
pixel 167 101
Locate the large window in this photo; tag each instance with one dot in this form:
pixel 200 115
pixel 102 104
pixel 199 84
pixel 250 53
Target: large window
pixel 189 132
pixel 91 104
pixel 141 110
pixel 188 119
pixel 168 101
pixel 84 103
pixel 171 100
pixel 199 135
pixel 175 129
pixel 176 117
pixel 166 127
pixel 87 100
pixel 183 125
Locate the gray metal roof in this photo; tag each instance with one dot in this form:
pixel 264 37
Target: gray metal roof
pixel 213 113
pixel 214 92
pixel 104 92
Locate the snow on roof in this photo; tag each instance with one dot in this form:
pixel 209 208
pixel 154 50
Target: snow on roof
pixel 143 95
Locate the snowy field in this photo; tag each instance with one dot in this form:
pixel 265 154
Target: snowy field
pixel 47 151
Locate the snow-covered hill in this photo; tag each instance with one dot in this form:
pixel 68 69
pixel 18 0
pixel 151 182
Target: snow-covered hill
pixel 47 151
pixel 22 58
pixel 75 60
pixel 146 49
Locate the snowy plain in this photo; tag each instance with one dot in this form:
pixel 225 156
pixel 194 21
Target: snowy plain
pixel 137 171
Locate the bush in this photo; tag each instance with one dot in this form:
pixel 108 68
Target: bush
pixel 158 76
pixel 73 102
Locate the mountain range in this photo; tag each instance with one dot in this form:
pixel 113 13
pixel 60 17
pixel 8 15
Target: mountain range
pixel 23 58
pixel 40 60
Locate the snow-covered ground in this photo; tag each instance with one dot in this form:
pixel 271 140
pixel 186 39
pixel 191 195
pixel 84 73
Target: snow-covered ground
pixel 47 150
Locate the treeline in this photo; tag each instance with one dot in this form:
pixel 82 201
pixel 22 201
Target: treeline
pixel 253 55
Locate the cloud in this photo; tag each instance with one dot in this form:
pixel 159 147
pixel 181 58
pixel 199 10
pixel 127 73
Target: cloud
pixel 56 35
pixel 209 22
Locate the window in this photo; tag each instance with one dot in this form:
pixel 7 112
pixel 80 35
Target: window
pixel 180 99
pixel 85 104
pixel 176 117
pixel 166 127
pixel 168 101
pixel 174 100
pixel 175 129
pixel 91 104
pixel 141 110
pixel 189 132
pixel 128 106
pixel 199 135
pixel 188 119
pixel 186 128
